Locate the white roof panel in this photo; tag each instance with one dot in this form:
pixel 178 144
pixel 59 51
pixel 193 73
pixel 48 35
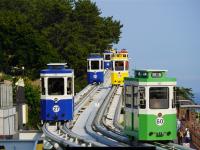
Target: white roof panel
pixel 152 70
pixel 56 64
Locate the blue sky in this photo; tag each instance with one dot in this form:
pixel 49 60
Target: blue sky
pixel 160 34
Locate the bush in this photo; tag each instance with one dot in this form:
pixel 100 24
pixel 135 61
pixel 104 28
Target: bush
pixel 32 95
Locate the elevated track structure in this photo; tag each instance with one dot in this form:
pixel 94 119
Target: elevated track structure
pixel 96 121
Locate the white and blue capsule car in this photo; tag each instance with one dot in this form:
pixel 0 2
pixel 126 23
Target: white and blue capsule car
pixel 107 59
pixel 95 71
pixel 57 93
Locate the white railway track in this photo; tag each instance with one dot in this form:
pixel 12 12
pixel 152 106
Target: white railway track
pixel 117 115
pixel 96 113
pixel 66 137
pixel 83 125
pixel 82 128
pixel 169 146
pixel 110 121
pixel 94 132
pixel 85 129
pixel 111 114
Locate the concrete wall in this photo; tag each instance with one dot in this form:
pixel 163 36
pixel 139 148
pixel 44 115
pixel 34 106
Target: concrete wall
pixel 19 145
pixel 7 121
pixel 30 136
pixel 6 95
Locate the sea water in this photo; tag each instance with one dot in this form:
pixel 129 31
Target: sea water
pixel 197 98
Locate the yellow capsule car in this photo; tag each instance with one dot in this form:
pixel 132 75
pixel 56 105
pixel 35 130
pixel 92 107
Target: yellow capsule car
pixel 120 67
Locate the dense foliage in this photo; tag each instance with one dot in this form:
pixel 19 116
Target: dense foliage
pixel 36 32
pixel 184 93
pixel 32 94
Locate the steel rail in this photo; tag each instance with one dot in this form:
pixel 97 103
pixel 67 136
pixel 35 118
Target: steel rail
pixel 84 99
pixel 117 114
pixel 179 146
pixel 94 124
pixel 162 146
pixel 78 138
pixel 90 128
pixel 75 141
pixel 57 139
pixel 81 139
pixel 103 121
pixel 78 97
pixel 99 124
pixel 168 146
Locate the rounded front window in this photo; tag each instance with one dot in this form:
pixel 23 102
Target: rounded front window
pixel 119 65
pixel 55 86
pixel 95 64
pixel 159 98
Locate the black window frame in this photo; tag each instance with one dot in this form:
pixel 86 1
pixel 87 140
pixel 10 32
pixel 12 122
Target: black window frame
pixel 128 94
pixel 107 55
pixel 135 96
pixel 43 92
pixel 101 64
pixel 88 65
pixel 174 98
pixel 142 100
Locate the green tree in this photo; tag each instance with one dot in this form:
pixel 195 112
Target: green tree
pixel 32 94
pixel 93 34
pixel 184 93
pixel 36 32
pixel 22 45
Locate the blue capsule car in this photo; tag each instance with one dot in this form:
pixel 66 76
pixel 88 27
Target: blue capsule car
pixel 95 71
pixel 107 59
pixel 57 93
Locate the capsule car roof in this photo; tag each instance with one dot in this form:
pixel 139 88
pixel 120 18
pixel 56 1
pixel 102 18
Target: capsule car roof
pixel 56 64
pixel 152 70
pixel 56 68
pixel 107 52
pixel 95 56
pixel 151 77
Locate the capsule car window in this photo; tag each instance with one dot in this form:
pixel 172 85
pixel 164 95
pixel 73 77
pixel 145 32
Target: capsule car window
pixel 94 64
pixel 159 97
pixel 141 74
pixel 107 57
pixel 142 98
pixel 56 86
pixel 119 65
pixel 156 74
pixel 128 96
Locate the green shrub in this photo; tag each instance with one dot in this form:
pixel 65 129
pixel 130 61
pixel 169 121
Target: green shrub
pixel 32 95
